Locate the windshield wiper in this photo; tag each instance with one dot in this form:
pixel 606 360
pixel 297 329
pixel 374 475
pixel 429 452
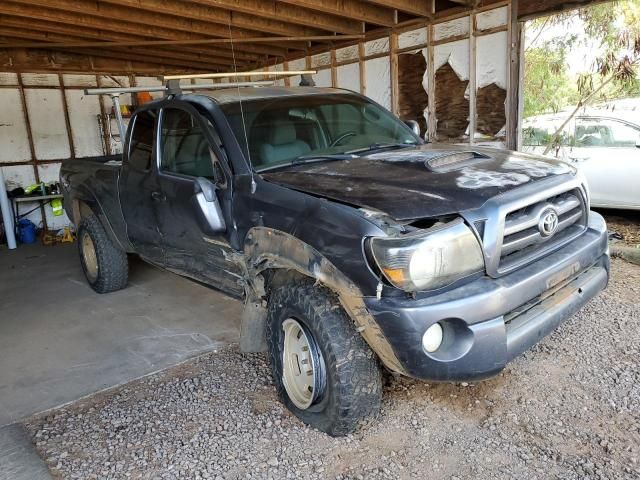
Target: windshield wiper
pixel 321 157
pixel 381 146
pixel 310 159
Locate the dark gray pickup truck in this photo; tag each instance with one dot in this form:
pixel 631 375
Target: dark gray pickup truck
pixel 352 243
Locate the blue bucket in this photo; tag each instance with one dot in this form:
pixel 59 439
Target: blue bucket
pixel 26 231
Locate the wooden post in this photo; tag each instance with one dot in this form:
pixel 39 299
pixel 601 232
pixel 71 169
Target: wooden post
pixel 361 66
pixel 334 72
pixel 515 80
pixel 432 123
pixel 67 121
pixel 472 78
pixel 395 94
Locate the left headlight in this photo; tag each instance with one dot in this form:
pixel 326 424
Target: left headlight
pixel 429 259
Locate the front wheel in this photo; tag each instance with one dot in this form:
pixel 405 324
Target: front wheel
pixel 104 264
pixel 323 370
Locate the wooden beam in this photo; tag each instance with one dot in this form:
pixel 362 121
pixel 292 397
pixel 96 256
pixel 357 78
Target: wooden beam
pixel 421 8
pixel 166 27
pixel 42 61
pixel 213 14
pixel 52 28
pixel 131 57
pixel 357 9
pixel 514 102
pixel 207 41
pixel 289 13
pixel 19 34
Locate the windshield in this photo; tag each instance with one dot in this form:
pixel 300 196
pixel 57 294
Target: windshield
pixel 285 129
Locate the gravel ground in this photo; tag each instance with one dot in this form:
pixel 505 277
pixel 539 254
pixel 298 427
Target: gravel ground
pixel 568 409
pixel 625 223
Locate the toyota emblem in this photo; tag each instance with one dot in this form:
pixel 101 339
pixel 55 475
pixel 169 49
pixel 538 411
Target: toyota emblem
pixel 548 223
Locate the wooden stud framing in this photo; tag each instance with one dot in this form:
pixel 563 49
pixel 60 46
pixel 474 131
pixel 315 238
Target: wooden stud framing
pixel 473 89
pixel 393 50
pixel 67 121
pixel 432 121
pixel 361 69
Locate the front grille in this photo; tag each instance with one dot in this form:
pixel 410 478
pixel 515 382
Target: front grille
pixel 523 238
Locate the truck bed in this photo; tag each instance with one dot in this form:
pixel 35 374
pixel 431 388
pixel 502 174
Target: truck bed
pixel 94 180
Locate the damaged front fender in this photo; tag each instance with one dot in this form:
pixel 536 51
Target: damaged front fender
pixel 266 248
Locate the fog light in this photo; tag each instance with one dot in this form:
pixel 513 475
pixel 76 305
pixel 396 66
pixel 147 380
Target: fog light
pixel 432 338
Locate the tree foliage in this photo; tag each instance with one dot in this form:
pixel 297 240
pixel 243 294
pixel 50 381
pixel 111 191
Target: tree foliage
pixel 611 30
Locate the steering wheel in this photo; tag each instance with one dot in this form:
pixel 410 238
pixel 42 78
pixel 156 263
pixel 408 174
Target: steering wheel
pixel 342 137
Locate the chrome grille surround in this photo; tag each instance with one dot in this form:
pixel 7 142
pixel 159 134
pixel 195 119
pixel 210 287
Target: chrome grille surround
pixel 511 237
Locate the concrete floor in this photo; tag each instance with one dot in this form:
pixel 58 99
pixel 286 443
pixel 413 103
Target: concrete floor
pixel 60 341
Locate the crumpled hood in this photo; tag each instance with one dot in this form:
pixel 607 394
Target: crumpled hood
pixel 404 185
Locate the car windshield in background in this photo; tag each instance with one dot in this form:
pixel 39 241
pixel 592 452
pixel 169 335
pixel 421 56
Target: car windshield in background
pixel 287 129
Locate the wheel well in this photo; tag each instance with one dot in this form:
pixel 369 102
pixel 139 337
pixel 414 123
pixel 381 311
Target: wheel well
pixel 80 210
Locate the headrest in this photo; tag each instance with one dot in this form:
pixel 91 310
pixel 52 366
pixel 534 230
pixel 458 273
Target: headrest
pixel 282 132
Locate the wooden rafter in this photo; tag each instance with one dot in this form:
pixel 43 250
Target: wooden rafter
pixel 206 41
pixel 420 8
pixel 86 33
pixel 357 9
pixel 15 37
pixel 155 25
pixel 289 13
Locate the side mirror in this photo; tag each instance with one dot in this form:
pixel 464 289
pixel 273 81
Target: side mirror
pixel 208 209
pixel 638 143
pixel 414 126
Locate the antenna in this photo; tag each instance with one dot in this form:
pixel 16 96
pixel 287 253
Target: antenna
pixel 244 124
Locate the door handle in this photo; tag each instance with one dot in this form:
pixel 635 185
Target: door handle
pixel 158 196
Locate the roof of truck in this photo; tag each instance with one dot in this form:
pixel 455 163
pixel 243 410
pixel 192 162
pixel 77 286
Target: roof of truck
pixel 231 95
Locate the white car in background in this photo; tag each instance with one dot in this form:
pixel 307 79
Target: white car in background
pixel 606 149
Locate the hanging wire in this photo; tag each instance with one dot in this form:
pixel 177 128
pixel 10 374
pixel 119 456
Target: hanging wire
pixel 244 124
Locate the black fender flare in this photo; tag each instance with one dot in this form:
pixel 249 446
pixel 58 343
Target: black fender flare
pixel 267 248
pixel 85 197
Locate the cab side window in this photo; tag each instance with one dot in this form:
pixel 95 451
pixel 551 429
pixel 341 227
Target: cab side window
pixel 185 149
pixel 141 141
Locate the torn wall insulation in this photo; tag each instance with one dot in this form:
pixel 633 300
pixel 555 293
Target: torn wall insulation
pixel 490 110
pixel 323 78
pixel 412 97
pixel 453 28
pixel 412 38
pixel 492 18
pixel 456 54
pixel 13 130
pixel 374 47
pixel 321 60
pixel 377 73
pixel 348 76
pixel 452 104
pixel 347 54
pixel 83 110
pixel 48 125
pixel 492 60
pixel 492 75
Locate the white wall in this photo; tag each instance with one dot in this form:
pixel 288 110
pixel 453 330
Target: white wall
pixel 46 106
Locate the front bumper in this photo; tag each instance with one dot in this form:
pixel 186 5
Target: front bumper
pixel 489 321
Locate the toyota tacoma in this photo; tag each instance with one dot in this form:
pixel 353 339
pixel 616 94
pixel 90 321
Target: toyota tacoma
pixel 354 245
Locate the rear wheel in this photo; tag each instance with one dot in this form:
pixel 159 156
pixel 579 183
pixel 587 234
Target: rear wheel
pixel 323 370
pixel 104 264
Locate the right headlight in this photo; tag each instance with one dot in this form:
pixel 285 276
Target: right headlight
pixel 429 259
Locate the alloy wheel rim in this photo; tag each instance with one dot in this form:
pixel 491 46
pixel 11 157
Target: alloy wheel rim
pixel 90 257
pixel 302 365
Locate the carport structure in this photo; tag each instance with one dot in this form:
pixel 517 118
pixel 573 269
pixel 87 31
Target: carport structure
pixel 455 66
